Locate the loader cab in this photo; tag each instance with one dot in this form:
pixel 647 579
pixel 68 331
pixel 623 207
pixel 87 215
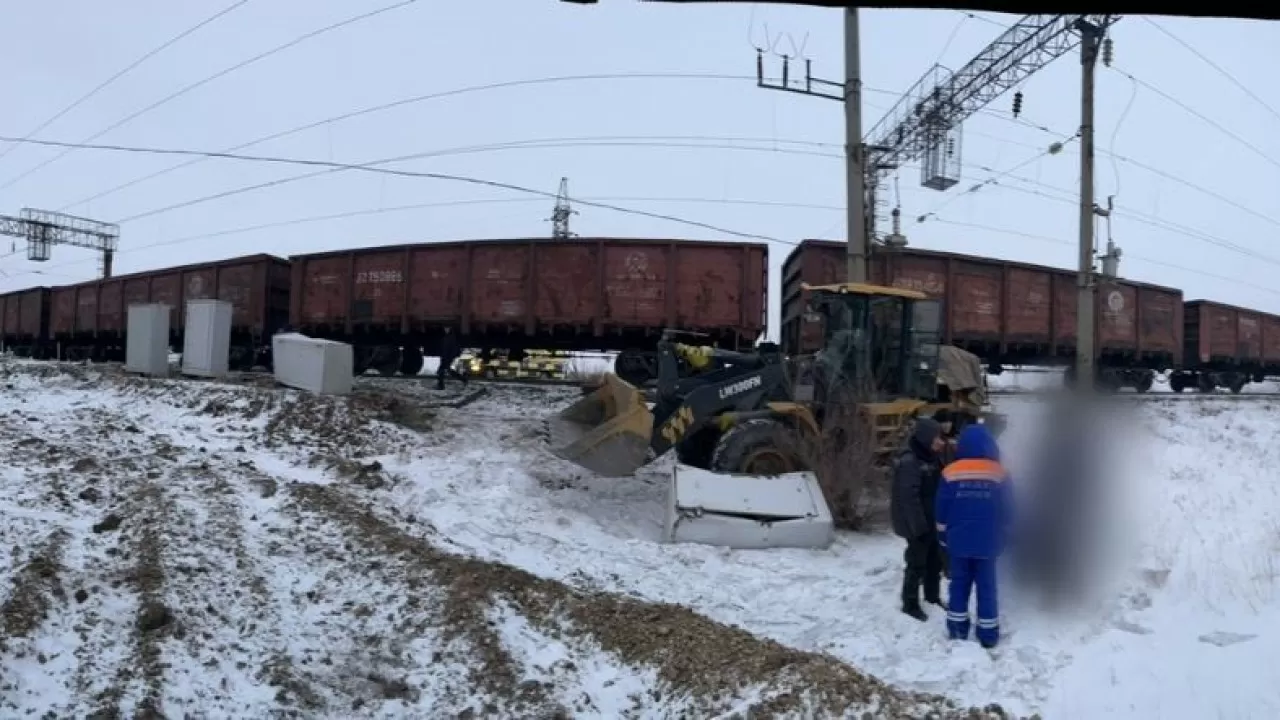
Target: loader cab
pixel 879 341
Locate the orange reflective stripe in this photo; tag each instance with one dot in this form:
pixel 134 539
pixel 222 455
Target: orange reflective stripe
pixel 974 469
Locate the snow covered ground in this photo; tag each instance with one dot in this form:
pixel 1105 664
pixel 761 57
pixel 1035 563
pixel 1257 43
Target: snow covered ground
pixel 242 551
pixel 184 548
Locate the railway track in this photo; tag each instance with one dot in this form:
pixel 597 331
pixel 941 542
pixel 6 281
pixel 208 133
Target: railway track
pixel 549 382
pixel 997 393
pixel 566 382
pixel 1172 397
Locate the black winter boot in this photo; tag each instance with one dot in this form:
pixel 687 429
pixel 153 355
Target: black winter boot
pixel 912 608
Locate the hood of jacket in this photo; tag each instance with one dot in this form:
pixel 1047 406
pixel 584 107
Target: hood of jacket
pixel 926 431
pixel 975 443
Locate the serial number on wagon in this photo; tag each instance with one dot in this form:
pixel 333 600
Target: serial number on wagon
pixel 379 277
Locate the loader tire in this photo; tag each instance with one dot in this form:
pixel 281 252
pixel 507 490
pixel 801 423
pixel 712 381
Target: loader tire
pixel 757 447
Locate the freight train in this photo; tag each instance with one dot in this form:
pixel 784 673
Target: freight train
pixel 393 303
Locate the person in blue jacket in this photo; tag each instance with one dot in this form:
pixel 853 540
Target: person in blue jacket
pixel 973 510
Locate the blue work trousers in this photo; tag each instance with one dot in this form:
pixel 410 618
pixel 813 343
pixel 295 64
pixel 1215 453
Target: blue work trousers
pixel 966 573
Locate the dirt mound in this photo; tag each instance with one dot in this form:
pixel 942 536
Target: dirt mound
pixel 710 663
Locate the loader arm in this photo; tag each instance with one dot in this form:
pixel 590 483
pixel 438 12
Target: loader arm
pixel 613 433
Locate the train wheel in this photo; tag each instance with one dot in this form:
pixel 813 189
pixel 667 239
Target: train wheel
pixel 411 361
pixel 1236 384
pixel 363 359
pixel 240 358
pixel 1176 383
pixel 1145 381
pixel 386 360
pixel 1205 383
pixel 633 367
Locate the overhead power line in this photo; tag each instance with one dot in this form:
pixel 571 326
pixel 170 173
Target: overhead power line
pixel 129 68
pixel 331 167
pixel 221 73
pixel 404 102
pixel 1204 118
pixel 1220 70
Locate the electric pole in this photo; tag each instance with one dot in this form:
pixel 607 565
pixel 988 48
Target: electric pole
pixel 857 232
pixel 1086 317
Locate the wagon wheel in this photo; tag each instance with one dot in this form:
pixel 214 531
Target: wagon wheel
pixel 1144 382
pixel 363 359
pixel 386 360
pixel 1205 383
pixel 411 361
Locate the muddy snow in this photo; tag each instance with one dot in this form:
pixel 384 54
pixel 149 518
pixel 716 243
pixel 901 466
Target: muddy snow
pixel 188 548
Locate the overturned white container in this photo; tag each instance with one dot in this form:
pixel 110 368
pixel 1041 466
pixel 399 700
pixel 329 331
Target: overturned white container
pixel 206 338
pixel 747 512
pixel 146 348
pixel 320 366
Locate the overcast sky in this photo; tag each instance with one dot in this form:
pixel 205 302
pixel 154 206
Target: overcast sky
pixel 1186 191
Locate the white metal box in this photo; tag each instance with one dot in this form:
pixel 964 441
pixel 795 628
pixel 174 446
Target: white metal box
pixel 746 512
pixel 206 343
pixel 147 344
pixel 321 366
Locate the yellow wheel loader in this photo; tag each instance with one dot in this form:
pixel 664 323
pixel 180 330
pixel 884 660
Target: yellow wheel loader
pixel 746 413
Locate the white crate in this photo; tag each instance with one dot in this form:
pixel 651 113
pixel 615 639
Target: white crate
pixel 206 343
pixel 147 344
pixel 321 366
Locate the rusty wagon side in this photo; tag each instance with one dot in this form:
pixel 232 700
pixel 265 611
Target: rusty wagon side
pixel 1005 312
pixel 393 302
pixel 1226 346
pixel 24 321
pixel 89 319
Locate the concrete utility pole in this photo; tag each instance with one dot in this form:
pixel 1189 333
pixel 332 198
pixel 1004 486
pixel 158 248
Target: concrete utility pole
pixel 858 232
pixel 1086 314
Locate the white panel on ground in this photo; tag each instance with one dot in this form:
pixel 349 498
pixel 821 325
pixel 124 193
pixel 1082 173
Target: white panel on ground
pixel 206 343
pixel 147 343
pixel 321 366
pixel 747 512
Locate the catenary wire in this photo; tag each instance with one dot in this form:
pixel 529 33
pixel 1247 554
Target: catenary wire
pixel 1115 134
pixel 995 178
pixel 1203 118
pixel 1220 70
pixel 439 95
pixel 129 68
pixel 221 73
pixel 404 102
pixel 330 166
pixel 1069 198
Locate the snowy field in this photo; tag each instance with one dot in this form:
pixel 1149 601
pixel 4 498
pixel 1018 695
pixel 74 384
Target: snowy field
pixel 222 550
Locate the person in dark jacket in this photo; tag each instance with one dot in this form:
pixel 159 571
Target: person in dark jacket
pixel 449 352
pixel 974 508
pixel 915 485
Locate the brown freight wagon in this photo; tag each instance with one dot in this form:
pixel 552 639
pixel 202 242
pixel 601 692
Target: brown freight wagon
pixel 89 320
pixel 1005 312
pixel 24 322
pixel 393 302
pixel 1226 346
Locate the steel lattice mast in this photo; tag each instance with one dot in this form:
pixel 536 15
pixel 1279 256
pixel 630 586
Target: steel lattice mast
pixel 43 229
pixel 925 122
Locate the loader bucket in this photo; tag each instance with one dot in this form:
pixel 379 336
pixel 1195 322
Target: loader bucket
pixel 606 432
